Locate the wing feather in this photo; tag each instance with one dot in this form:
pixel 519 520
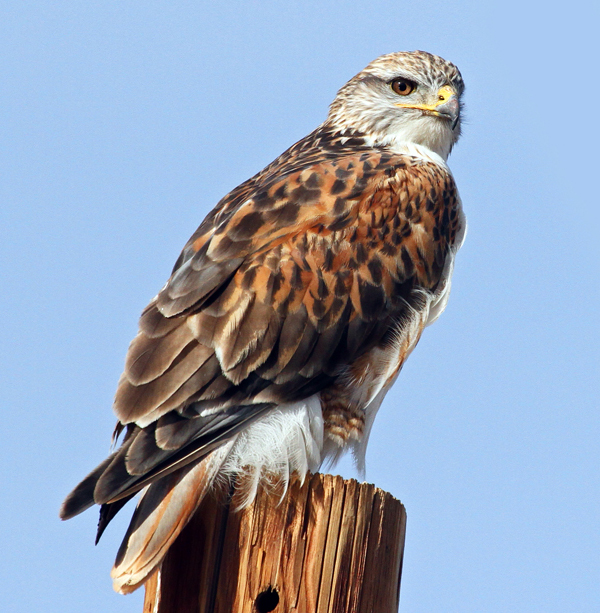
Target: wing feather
pixel 133 402
pixel 149 357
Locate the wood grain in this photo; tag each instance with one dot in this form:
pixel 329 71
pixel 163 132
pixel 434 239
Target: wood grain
pixel 325 546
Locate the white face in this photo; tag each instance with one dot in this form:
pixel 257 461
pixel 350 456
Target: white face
pixel 399 100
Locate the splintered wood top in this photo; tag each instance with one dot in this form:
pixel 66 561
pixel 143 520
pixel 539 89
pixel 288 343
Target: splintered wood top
pixel 325 546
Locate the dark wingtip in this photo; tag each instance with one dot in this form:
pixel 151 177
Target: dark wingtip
pixel 82 497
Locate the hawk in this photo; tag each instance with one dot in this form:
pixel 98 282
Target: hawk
pixel 290 310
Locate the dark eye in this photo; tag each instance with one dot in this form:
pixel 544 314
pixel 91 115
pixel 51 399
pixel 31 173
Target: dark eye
pixel 403 87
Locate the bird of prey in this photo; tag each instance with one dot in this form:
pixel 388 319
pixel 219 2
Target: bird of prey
pixel 290 310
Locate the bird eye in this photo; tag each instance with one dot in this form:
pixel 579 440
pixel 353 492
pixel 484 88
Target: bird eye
pixel 403 87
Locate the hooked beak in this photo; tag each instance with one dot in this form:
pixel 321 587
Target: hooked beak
pixel 447 105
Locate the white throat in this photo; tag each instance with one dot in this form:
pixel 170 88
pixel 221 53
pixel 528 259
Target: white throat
pixel 403 147
pixel 425 133
pixel 418 151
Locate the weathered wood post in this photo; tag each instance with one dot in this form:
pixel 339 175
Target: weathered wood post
pixel 328 546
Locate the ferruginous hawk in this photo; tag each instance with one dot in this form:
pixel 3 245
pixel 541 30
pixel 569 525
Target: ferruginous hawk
pixel 290 310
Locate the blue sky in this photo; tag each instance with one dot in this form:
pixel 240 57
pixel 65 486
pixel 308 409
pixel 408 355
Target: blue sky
pixel 121 125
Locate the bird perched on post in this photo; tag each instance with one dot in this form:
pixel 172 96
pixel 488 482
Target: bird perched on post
pixel 290 310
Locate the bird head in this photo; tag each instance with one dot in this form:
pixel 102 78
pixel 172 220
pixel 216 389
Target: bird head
pixel 403 98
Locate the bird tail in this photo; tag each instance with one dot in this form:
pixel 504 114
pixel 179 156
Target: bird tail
pixel 164 509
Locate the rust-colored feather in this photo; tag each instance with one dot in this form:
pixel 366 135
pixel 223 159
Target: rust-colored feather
pixel 161 514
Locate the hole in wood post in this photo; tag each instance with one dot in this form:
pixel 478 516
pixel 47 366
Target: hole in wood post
pixel 267 601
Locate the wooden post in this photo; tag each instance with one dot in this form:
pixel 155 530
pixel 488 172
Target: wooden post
pixel 328 546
